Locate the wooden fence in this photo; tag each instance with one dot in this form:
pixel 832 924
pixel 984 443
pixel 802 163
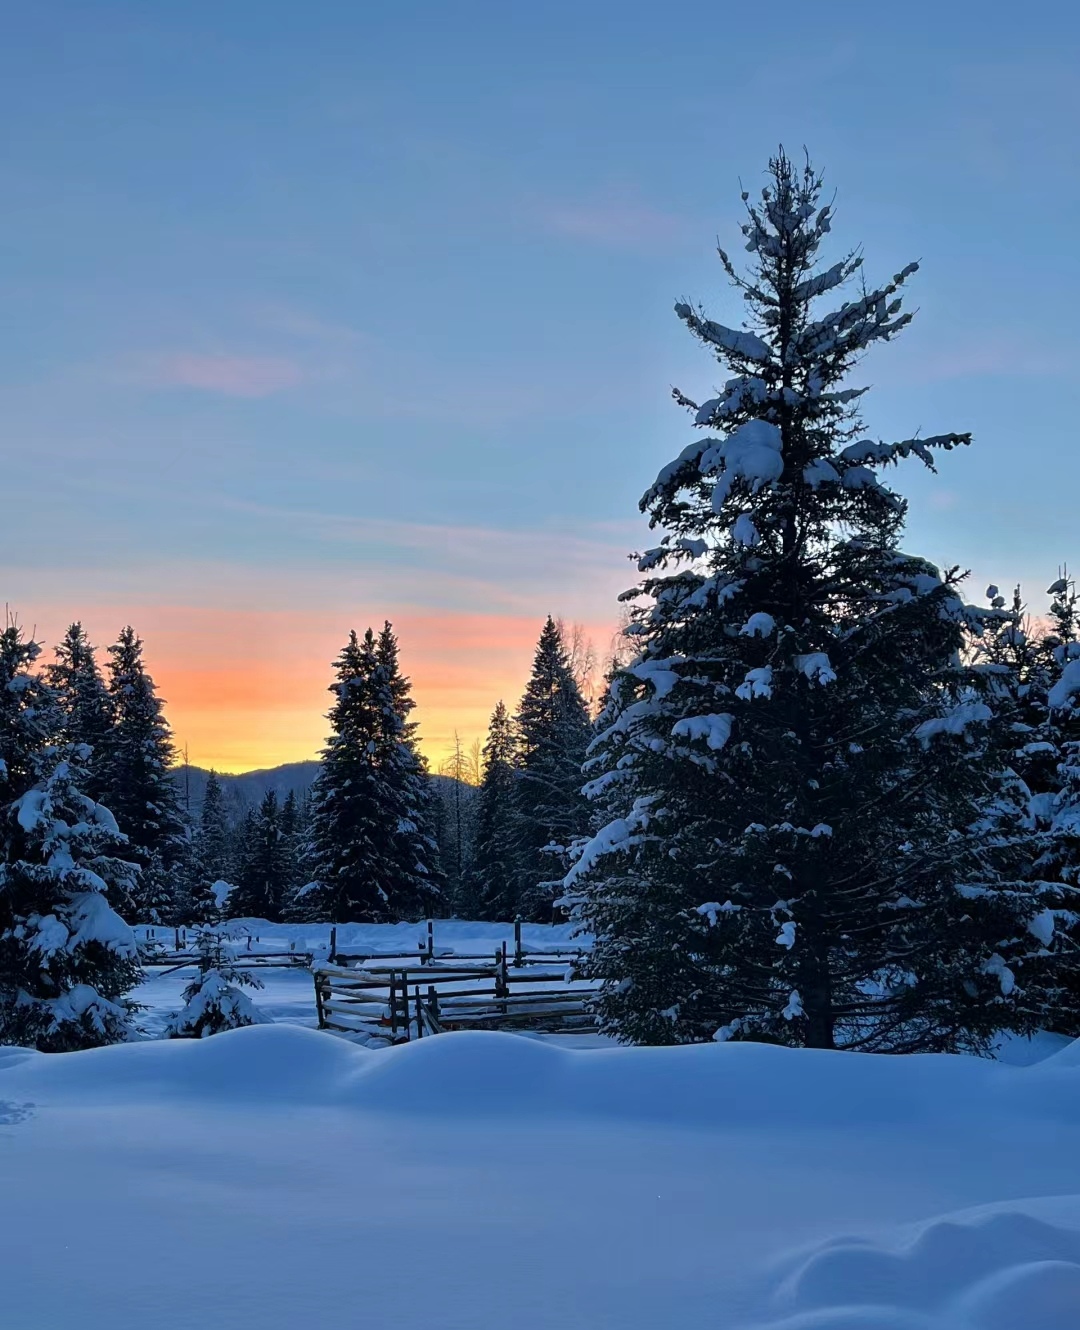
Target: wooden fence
pixel 176 948
pixel 399 1000
pixel 427 952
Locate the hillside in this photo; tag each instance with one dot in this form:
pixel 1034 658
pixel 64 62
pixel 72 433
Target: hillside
pixel 245 790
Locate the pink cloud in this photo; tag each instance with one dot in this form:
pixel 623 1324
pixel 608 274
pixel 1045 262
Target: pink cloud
pixel 624 223
pixel 993 355
pixel 232 376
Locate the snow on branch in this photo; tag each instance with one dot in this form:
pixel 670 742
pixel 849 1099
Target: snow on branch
pixel 741 394
pixel 955 721
pixel 753 452
pixel 856 324
pixel 1062 694
pixel 714 729
pixel 745 345
pixel 618 837
pixel 826 281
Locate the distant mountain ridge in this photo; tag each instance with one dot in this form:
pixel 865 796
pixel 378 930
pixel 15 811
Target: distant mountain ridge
pixel 245 790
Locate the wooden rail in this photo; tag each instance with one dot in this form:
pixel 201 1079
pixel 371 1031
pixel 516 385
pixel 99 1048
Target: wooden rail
pixel 427 952
pixel 398 1000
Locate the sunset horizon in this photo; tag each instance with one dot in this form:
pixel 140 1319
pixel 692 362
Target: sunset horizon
pixel 236 719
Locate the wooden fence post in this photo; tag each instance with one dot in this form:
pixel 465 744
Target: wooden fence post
pixel 393 1006
pixel 319 1000
pixel 332 958
pixel 419 1012
pixel 517 942
pixel 431 939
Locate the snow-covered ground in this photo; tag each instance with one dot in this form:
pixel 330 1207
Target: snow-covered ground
pixel 277 1177
pixel 459 935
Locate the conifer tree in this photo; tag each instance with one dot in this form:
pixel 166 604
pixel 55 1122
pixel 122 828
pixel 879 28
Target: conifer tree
pixel 66 958
pixel 1053 738
pixel 214 829
pixel 136 773
pixel 83 701
pixel 415 844
pixel 794 770
pixel 214 1000
pixel 209 858
pixel 454 807
pixel 264 876
pixel 301 902
pixel 374 857
pixel 552 730
pixel 493 878
pixel 292 834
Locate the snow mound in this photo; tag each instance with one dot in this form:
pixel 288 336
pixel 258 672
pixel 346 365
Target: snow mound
pixel 1014 1266
pixel 484 1074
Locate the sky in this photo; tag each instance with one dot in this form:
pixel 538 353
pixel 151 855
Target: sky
pixel 316 315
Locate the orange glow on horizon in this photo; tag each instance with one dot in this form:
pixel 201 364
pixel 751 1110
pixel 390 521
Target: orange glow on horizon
pixel 248 690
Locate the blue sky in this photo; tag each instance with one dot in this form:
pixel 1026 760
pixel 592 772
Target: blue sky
pixel 324 312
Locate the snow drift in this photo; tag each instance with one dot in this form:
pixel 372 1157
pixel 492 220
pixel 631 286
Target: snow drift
pixel 277 1171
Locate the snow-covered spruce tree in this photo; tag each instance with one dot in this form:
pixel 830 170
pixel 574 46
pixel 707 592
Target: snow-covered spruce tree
pixel 214 829
pixel 263 881
pixel 415 844
pixel 1018 666
pixel 372 856
pixel 795 847
pixel 493 880
pixel 214 1000
pixel 208 858
pixel 553 730
pixel 1057 809
pixel 84 702
pixel 139 788
pixel 66 958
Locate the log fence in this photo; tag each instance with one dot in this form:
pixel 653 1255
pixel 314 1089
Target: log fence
pixel 398 1000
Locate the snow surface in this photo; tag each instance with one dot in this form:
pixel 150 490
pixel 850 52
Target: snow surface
pixel 274 1176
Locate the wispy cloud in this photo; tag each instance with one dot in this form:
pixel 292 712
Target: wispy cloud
pixel 227 375
pixel 987 354
pixel 618 222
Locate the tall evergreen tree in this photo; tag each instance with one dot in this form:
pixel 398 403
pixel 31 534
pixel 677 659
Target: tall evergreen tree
pixel 66 958
pixel 292 832
pixel 455 825
pixel 493 879
pixel 84 702
pixel 795 768
pixel 264 877
pixel 373 853
pixel 552 729
pixel 415 844
pixel 208 858
pixel 214 829
pixel 136 774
